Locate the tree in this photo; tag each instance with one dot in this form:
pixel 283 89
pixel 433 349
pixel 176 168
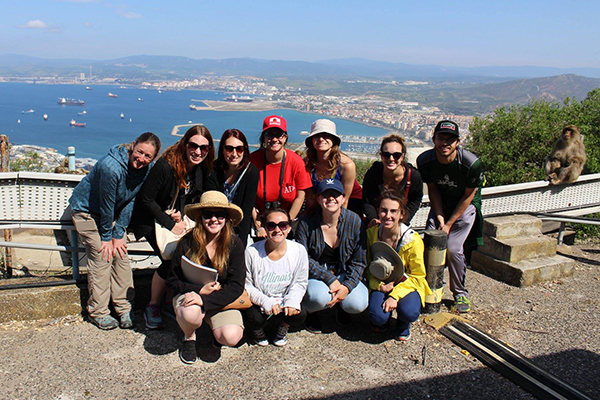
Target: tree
pixel 514 142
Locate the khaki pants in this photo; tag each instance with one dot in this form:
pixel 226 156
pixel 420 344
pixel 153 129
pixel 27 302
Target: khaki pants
pixel 106 280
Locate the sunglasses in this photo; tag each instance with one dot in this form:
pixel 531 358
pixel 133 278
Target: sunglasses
pixel 276 135
pixel 283 225
pixel 230 149
pixel 195 146
pixel 220 215
pixel 387 154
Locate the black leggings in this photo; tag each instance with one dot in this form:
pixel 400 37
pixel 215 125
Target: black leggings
pixel 254 318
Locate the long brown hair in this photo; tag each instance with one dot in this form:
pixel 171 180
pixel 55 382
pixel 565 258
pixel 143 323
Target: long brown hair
pixel 176 153
pixel 197 251
pixel 333 159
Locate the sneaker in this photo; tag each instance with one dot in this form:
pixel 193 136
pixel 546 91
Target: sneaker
pixel 260 338
pixel 281 335
pixel 152 317
pixel 462 304
pixel 313 323
pixel 187 353
pixel 403 338
pixel 106 323
pixel 343 318
pixel 381 328
pixel 126 321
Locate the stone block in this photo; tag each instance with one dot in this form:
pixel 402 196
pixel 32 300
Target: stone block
pixel 512 226
pixel 517 249
pixel 525 272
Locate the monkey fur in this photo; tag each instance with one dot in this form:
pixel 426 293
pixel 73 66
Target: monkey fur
pixel 565 163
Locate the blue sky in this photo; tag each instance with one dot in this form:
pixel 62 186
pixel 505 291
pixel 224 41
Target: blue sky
pixel 452 33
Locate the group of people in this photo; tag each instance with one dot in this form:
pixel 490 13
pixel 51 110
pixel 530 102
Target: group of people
pixel 296 235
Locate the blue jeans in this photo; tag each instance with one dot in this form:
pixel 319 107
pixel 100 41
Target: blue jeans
pixel 317 296
pixel 409 309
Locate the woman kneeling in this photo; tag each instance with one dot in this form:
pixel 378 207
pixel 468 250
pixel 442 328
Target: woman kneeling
pixel 211 243
pixel 276 279
pixel 396 273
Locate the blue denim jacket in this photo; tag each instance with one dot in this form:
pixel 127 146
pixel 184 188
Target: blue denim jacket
pixel 352 248
pixel 108 192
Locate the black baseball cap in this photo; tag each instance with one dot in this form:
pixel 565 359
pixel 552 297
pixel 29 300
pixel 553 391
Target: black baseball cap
pixel 447 126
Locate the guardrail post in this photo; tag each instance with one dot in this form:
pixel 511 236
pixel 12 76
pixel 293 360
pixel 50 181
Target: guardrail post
pixel 71 156
pixel 5 167
pixel 436 242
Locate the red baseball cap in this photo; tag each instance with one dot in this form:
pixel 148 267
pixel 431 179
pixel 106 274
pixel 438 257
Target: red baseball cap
pixel 274 121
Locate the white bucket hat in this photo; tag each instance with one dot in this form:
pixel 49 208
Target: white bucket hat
pixel 323 126
pixel 387 266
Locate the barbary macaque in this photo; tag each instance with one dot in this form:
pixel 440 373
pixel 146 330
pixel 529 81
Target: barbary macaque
pixel 565 163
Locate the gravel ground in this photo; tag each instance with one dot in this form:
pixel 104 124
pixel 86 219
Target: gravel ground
pixel 555 324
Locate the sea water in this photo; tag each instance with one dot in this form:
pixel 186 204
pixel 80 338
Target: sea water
pixel 158 113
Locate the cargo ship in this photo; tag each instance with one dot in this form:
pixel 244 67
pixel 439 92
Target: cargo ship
pixel 63 101
pixel 75 123
pixel 28 111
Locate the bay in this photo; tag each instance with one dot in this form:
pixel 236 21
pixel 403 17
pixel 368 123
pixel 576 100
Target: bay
pixel 158 113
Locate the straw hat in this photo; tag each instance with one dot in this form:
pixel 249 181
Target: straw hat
pixel 215 199
pixel 323 126
pixel 387 266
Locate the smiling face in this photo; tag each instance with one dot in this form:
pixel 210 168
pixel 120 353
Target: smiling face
pixel 331 200
pixel 390 214
pixel 233 152
pixel 392 155
pixel 322 142
pixel 196 150
pixel 275 140
pixel 445 145
pixel 277 226
pixel 142 154
pixel 213 220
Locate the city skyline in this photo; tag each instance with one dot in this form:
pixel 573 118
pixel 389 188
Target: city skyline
pixel 538 33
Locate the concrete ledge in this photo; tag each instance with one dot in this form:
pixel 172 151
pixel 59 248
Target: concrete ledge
pixel 56 301
pixel 525 272
pixel 512 226
pixel 518 249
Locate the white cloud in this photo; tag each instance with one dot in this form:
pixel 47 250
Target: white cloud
pixel 35 24
pixel 129 14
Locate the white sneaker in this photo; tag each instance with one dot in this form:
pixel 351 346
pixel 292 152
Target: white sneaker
pixel 281 335
pixel 260 338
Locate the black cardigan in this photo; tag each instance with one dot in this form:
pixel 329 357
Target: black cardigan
pixel 232 280
pixel 373 186
pixel 158 191
pixel 244 197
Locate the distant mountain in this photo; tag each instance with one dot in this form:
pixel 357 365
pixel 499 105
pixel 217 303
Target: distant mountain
pixel 485 98
pixel 173 67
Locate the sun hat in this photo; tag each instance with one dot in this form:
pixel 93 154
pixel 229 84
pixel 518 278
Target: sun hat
pixel 387 266
pixel 215 199
pixel 274 121
pixel 323 126
pixel 330 184
pixel 447 126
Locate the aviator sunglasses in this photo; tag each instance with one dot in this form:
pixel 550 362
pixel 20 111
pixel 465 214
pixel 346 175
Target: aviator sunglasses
pixel 195 146
pixel 230 149
pixel 283 225
pixel 220 215
pixel 387 154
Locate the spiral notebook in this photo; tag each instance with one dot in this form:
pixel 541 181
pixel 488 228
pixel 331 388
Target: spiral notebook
pixel 196 273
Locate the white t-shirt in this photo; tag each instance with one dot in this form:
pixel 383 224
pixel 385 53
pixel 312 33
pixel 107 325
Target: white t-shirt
pixel 280 282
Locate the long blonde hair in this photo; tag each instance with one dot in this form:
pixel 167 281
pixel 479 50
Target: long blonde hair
pixel 197 252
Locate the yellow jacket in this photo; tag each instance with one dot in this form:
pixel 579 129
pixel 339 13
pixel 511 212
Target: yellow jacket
pixel 411 252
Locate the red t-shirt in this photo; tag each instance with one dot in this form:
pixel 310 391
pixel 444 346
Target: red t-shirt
pixel 295 178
